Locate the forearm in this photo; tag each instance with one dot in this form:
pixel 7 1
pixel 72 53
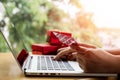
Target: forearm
pixel 114 51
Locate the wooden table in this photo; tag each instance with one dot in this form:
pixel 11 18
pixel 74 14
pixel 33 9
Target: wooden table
pixel 9 70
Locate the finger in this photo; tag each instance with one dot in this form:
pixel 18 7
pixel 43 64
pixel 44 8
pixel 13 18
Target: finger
pixel 74 54
pixel 64 57
pixel 72 57
pixel 79 49
pixel 87 45
pixel 60 49
pixel 62 53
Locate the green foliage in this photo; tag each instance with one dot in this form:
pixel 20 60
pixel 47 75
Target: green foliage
pixel 32 19
pixel 3 46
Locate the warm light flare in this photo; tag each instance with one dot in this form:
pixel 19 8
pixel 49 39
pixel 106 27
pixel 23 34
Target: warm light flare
pixel 106 12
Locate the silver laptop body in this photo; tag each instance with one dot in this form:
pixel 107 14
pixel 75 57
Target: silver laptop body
pixel 43 65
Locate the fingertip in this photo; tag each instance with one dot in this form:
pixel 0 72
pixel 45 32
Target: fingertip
pixel 56 58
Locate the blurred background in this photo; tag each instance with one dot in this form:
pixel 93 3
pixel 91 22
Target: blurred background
pixel 95 22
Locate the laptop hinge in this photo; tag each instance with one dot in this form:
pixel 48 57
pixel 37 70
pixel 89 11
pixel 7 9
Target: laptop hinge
pixel 22 56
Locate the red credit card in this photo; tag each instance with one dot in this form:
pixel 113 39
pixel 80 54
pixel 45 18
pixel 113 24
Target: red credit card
pixel 67 40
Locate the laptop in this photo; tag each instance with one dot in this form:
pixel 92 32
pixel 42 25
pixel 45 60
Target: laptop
pixel 42 65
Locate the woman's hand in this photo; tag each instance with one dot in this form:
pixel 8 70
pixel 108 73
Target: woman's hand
pixel 96 60
pixel 68 53
pixel 91 59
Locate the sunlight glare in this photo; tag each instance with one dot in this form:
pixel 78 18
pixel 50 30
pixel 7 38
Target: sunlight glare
pixel 106 12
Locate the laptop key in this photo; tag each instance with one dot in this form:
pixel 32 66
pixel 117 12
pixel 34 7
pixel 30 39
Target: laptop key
pixel 43 63
pixel 62 66
pixel 49 63
pixel 38 63
pixel 68 66
pixel 30 62
pixel 55 64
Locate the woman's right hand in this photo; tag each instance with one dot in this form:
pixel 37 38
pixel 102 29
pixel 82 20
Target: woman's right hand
pixel 67 53
pixel 97 60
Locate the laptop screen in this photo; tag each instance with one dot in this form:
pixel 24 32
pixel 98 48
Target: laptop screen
pixel 14 46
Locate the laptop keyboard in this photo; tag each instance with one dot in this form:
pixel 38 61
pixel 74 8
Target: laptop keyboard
pixel 47 63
